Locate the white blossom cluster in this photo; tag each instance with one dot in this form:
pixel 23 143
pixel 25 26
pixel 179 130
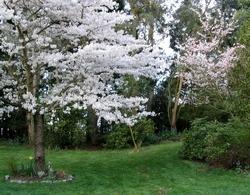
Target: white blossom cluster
pixel 67 53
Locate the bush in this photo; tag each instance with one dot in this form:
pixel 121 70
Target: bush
pixel 144 132
pixel 169 135
pixel 219 144
pixel 68 132
pixel 120 136
pixel 194 143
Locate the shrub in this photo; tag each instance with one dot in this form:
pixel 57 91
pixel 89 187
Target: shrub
pixel 144 132
pixel 65 136
pixel 169 135
pixel 120 136
pixel 219 144
pixel 229 146
pixel 68 132
pixel 194 142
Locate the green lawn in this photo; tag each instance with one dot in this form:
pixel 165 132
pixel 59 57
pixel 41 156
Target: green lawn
pixel 154 170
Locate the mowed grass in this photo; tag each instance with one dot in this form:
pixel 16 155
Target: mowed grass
pixel 154 170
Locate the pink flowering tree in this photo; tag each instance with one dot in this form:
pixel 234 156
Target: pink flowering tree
pixel 63 54
pixel 203 63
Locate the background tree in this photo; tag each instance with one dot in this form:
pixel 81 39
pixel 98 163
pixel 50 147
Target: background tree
pixel 227 8
pixel 148 19
pixel 185 23
pixel 238 100
pixel 181 27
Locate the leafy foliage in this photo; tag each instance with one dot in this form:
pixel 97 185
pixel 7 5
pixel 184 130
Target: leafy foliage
pixel 169 135
pixel 239 78
pixel 194 143
pixel 219 144
pixel 120 136
pixel 148 17
pixel 26 168
pixel 182 27
pixel 68 132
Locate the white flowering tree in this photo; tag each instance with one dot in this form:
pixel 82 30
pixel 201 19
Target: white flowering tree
pixel 204 63
pixel 67 54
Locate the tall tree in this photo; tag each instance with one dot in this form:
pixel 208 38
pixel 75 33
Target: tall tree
pixel 64 54
pixel 148 19
pixel 239 80
pixel 185 23
pixel 181 27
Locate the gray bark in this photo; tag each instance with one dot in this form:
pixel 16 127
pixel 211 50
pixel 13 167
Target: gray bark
pixel 39 142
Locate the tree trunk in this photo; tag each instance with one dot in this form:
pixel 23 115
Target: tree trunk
pixel 176 104
pixel 31 128
pixel 133 139
pixel 39 142
pixel 92 128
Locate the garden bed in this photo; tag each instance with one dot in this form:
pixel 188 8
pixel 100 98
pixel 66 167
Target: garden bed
pixel 27 180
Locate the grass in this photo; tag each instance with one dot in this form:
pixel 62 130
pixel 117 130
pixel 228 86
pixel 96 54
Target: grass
pixel 154 170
